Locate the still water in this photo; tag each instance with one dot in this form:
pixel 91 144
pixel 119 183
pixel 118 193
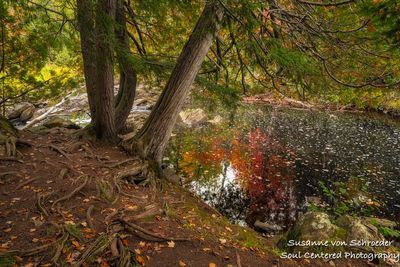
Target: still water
pixel 269 164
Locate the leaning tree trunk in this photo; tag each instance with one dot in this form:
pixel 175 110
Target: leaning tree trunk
pixel 104 123
pixel 85 15
pixel 152 139
pixel 128 78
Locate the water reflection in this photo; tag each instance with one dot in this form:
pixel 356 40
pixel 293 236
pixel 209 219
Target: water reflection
pixel 268 164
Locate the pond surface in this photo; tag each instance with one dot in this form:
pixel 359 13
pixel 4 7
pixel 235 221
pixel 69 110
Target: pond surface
pixel 267 164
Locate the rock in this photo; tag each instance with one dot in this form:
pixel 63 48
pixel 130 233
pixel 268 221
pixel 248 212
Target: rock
pixel 59 122
pixel 358 229
pixel 172 176
pixel 217 120
pixel 27 114
pixel 193 117
pixel 19 109
pixel 312 226
pixel 267 227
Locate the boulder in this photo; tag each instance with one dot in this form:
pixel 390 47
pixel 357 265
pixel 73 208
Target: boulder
pixel 315 226
pixel 216 120
pixel 27 114
pixel 19 109
pixel 381 222
pixel 312 226
pixel 357 229
pixel 193 117
pixel 59 122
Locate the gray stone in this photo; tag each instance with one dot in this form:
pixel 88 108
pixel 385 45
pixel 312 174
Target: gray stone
pixel 316 226
pixel 19 109
pixel 58 122
pixel 358 229
pixel 193 117
pixel 27 114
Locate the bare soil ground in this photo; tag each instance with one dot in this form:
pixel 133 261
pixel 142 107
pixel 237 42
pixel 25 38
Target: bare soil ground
pixel 64 204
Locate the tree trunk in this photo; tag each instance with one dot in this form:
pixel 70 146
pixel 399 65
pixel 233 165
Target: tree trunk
pixel 104 123
pixel 85 15
pixel 152 139
pixel 128 78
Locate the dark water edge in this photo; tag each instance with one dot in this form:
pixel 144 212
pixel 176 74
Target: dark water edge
pixel 268 164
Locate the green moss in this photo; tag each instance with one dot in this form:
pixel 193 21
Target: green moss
pixel 7 261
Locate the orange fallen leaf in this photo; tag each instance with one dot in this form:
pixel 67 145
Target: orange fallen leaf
pixel 125 242
pixel 140 260
pixel 182 263
pixel 211 264
pixel 76 245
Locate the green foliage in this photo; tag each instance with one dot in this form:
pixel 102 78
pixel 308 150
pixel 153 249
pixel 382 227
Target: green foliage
pixel 7 261
pixel 389 233
pixel 348 198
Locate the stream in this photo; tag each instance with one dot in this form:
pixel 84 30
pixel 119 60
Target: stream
pixel 271 165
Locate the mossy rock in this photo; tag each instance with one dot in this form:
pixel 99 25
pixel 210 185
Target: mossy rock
pixel 6 127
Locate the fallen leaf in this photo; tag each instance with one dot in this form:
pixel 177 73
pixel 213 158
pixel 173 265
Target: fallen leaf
pixel 211 264
pixel 35 240
pixel 171 244
pixel 182 263
pixel 206 249
pixel 222 241
pixel 125 242
pixel 7 230
pixel 76 245
pixel 142 244
pixel 140 260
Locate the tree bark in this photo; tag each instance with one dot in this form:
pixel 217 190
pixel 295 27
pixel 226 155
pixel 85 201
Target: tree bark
pixel 128 77
pixel 104 121
pixel 151 140
pixel 85 15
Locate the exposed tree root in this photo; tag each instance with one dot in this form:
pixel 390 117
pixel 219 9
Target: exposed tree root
pixel 21 142
pixel 134 228
pixel 60 246
pixel 119 190
pixel 5 174
pixel 26 182
pixel 40 200
pixel 62 173
pixel 124 255
pixel 29 252
pixel 11 159
pixel 75 191
pixel 117 164
pixel 114 247
pixel 238 261
pixel 11 147
pixel 101 243
pixel 61 151
pixel 89 217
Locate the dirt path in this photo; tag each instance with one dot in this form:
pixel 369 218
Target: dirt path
pixel 64 205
